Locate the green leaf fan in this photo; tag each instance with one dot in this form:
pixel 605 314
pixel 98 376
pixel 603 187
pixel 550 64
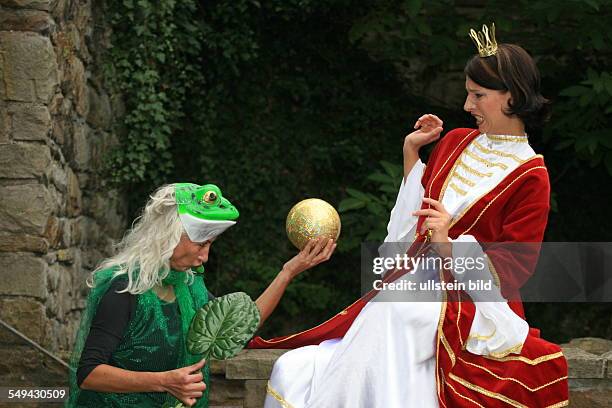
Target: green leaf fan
pixel 222 327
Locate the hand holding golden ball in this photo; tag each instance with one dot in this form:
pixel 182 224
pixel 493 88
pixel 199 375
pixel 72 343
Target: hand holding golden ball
pixel 310 219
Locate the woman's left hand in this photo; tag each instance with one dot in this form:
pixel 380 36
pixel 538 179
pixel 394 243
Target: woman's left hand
pixel 438 221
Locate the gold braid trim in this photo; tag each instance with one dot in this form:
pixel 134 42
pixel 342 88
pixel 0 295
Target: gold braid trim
pixel 482 337
pixel 471 170
pixel 526 360
pixel 514 349
pixel 463 396
pixel 514 379
pixel 497 152
pixel 277 396
pixel 457 189
pixel 509 138
pixel 464 180
pixel 485 161
pixel 493 271
pixel 448 348
pixel 486 392
pixel 559 404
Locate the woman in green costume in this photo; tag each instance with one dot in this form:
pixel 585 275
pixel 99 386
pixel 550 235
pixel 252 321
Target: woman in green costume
pixel 130 348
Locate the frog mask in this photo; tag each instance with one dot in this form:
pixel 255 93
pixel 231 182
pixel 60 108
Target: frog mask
pixel 203 211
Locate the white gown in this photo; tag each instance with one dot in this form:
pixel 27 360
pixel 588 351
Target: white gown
pixel 387 357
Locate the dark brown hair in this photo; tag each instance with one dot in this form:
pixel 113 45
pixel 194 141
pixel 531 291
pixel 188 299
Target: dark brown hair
pixel 512 69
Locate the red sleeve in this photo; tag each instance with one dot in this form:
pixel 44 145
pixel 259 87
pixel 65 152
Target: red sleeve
pixel 514 254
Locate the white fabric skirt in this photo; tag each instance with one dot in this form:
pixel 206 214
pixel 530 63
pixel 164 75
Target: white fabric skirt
pixel 386 359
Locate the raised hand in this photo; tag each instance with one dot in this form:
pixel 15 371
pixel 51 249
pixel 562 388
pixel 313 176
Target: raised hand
pixel 316 251
pixel 428 129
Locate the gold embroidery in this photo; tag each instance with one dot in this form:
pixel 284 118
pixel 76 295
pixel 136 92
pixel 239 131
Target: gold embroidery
pixel 457 189
pixel 464 180
pixel 494 198
pixel 448 348
pixel 471 170
pixel 497 152
pixel 277 396
pixel 535 361
pixel 463 396
pixel 493 272
pixel 559 404
pixel 514 349
pixel 488 393
pixel 508 138
pixel 514 379
pixel 485 161
pixel 459 317
pixel 482 337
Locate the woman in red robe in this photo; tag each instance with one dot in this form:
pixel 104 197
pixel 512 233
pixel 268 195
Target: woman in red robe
pixel 483 189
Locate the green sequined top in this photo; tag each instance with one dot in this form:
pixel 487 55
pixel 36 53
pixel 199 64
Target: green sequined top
pixel 153 341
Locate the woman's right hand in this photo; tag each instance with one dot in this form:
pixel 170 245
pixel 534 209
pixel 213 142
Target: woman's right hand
pixel 186 383
pixel 428 129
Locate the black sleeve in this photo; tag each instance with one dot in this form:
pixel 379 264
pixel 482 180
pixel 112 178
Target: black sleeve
pixel 107 328
pixel 211 296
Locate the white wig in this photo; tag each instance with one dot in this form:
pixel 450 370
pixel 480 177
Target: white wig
pixel 144 252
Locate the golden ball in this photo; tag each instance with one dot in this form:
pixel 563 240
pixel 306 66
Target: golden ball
pixel 310 219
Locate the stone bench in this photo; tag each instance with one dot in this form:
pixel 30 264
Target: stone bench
pixel 241 381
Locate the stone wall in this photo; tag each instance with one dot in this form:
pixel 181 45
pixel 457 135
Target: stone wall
pixel 56 217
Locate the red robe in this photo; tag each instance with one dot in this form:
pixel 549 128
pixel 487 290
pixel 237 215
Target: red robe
pixel 516 210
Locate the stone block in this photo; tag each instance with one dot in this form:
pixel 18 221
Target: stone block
pixel 24 160
pixel 5 120
pixel 74 83
pixel 255 393
pixel 217 367
pixel 53 231
pixel 23 243
pixel 29 121
pixel 26 315
pixel 65 255
pixel 582 364
pixel 29 66
pixel 25 209
pixel 592 345
pixel 590 398
pixel 33 4
pixel 81 147
pixel 26 366
pixel 252 365
pixel 224 392
pixel 25 20
pixel 608 359
pixel 22 274
pixel 100 115
pixel 74 204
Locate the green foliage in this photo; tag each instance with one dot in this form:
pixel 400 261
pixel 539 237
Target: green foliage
pixel 376 203
pixel 282 100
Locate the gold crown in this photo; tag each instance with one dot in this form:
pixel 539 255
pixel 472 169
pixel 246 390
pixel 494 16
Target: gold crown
pixel 486 44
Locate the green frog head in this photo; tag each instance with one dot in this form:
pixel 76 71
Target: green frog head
pixel 203 210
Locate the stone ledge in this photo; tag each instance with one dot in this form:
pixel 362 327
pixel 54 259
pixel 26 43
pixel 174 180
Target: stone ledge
pixel 241 381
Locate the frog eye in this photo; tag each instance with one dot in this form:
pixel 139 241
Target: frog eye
pixel 210 197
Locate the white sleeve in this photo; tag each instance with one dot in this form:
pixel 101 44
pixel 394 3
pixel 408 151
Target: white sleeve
pixel 496 330
pixel 409 199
